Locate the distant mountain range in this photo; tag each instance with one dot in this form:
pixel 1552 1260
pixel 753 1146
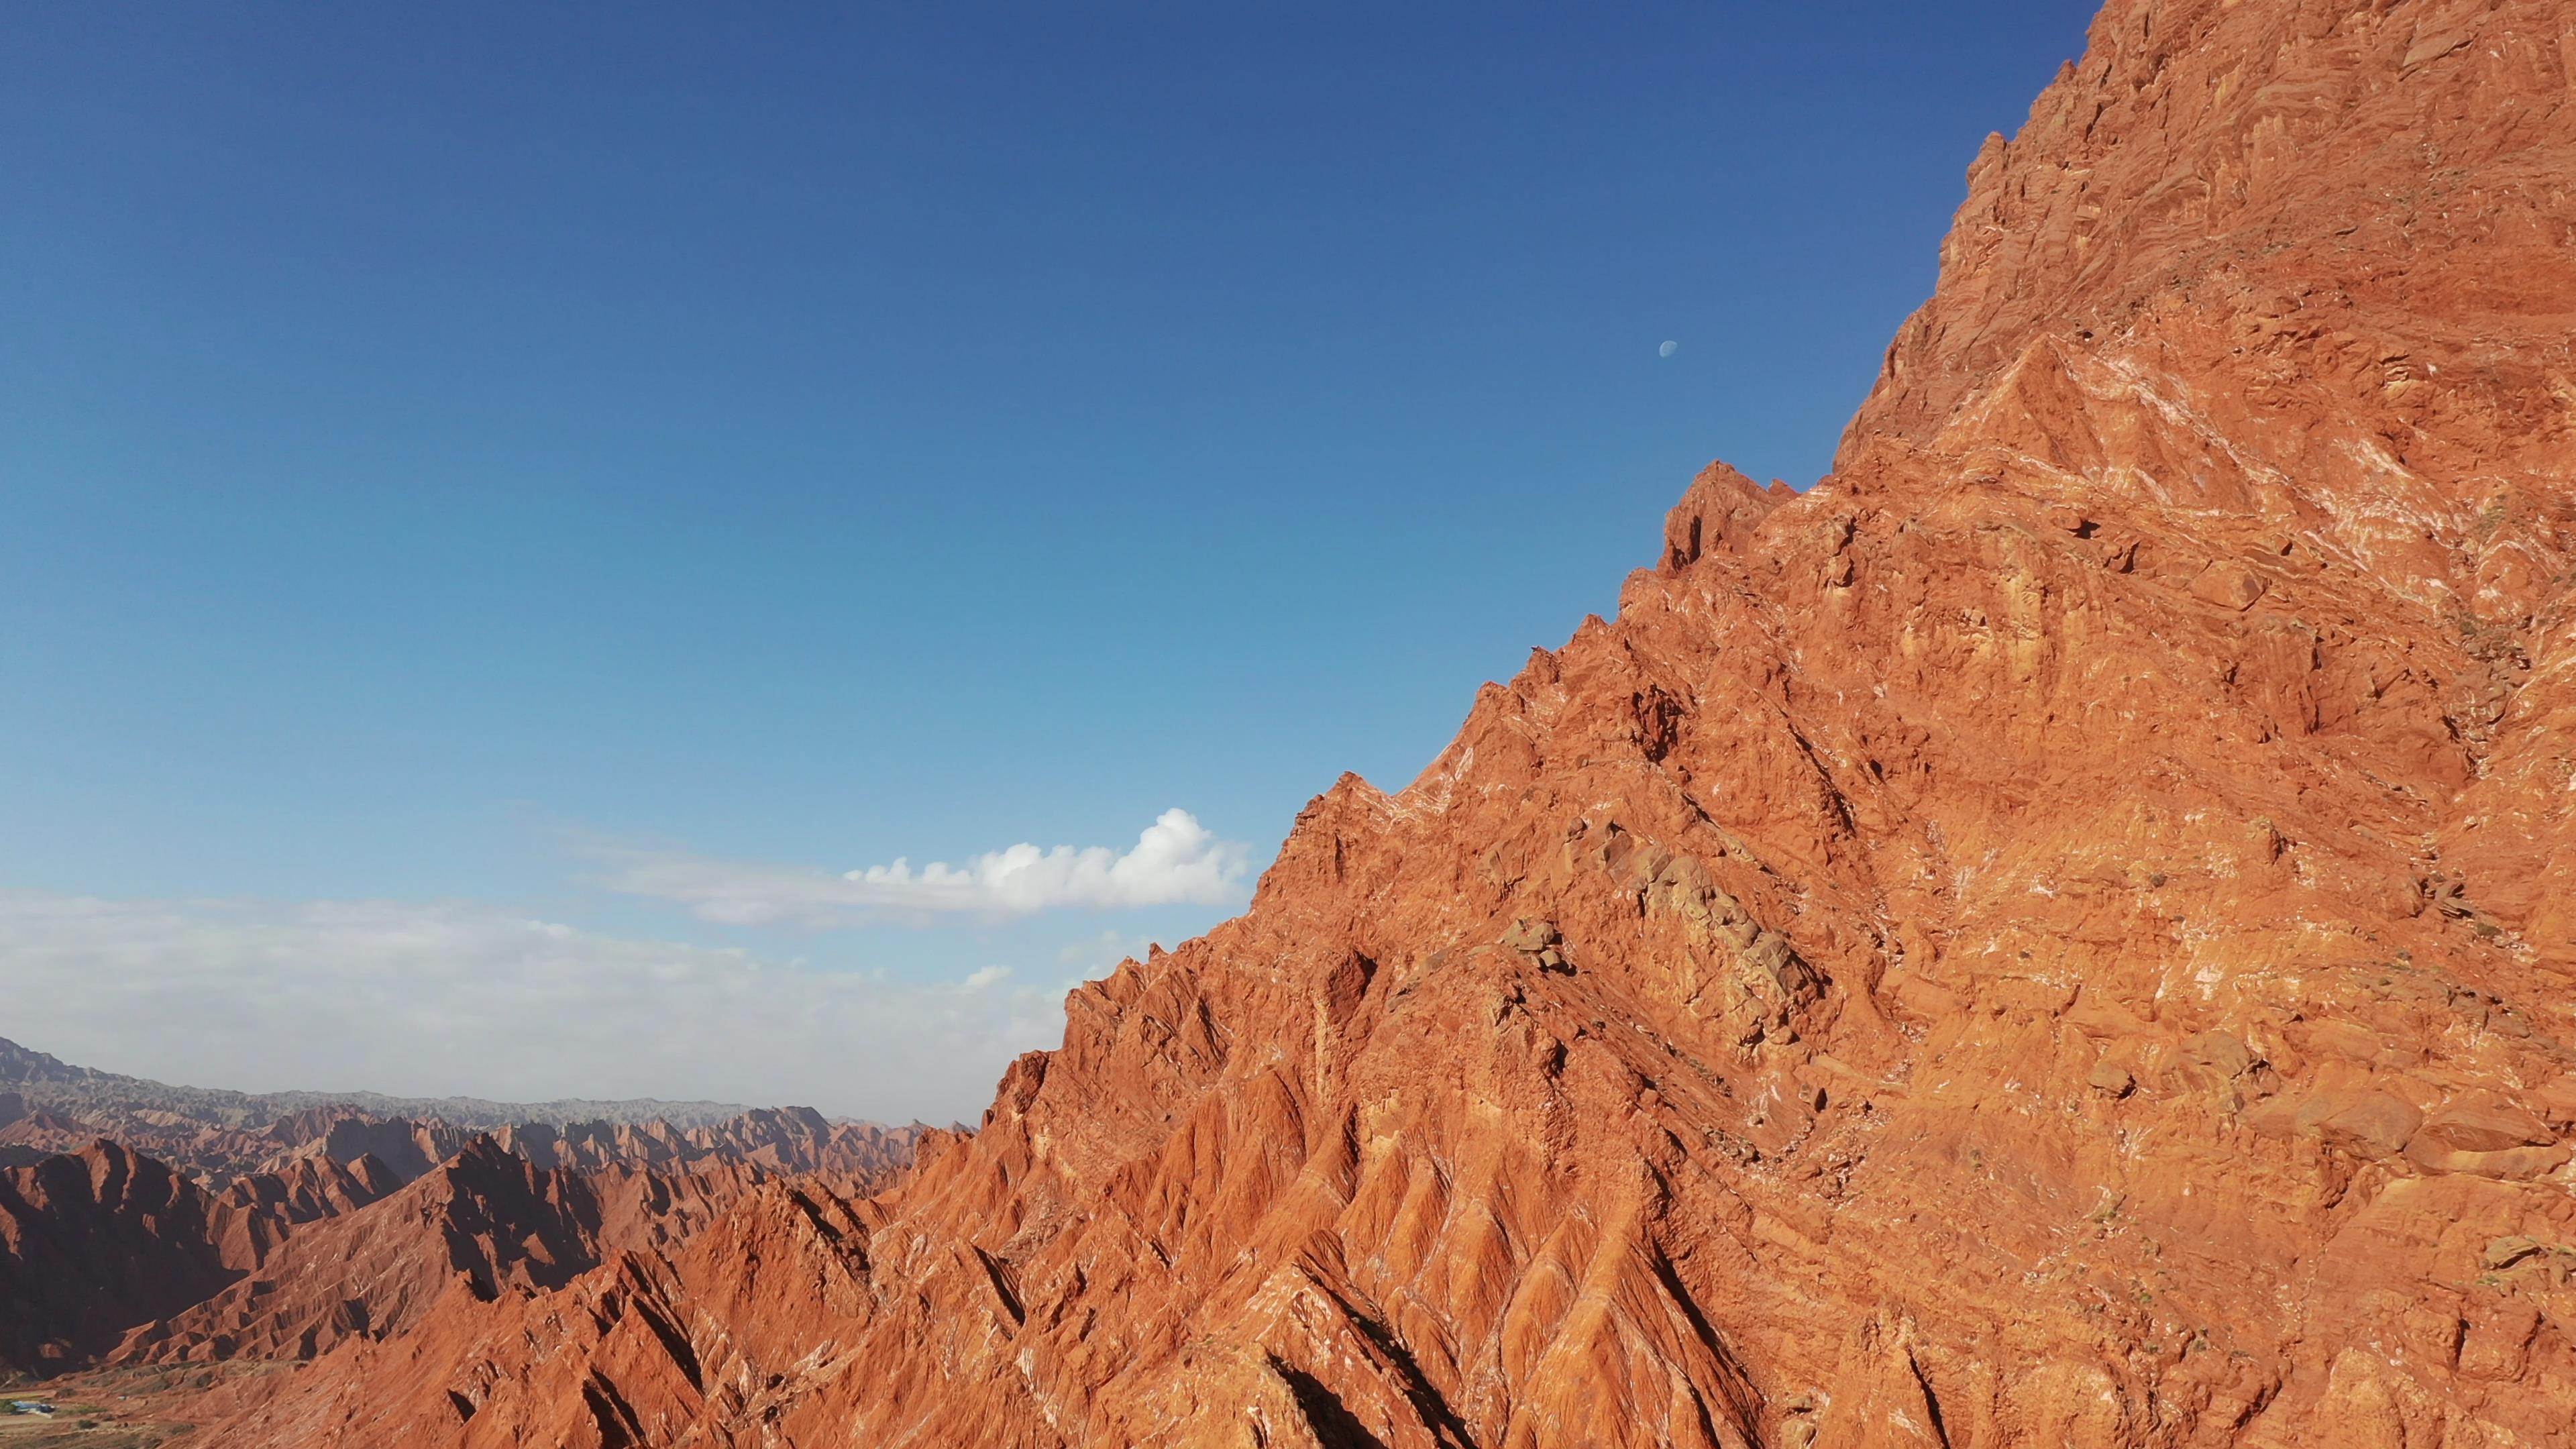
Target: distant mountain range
pixel 48 1083
pixel 49 1107
pixel 142 1223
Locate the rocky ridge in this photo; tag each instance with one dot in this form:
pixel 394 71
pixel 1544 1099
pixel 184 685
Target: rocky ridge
pixel 111 1255
pixel 94 1243
pixel 486 1223
pixel 198 1131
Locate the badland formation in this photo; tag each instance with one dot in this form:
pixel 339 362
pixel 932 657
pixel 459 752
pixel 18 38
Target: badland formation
pixel 2062 934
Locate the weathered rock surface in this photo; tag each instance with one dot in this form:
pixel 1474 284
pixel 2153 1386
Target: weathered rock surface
pixel 94 1243
pixel 110 1256
pixel 2060 935
pixel 486 1223
pixel 699 1340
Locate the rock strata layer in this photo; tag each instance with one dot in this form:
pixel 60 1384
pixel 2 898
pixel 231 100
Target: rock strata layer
pixel 97 1242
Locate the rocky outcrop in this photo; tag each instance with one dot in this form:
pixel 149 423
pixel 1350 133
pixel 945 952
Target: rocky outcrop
pixel 678 1344
pixel 310 1189
pixel 31 1136
pixel 93 1243
pixel 486 1223
pixel 107 1255
pixel 2058 935
pixel 96 1243
pixel 785 1140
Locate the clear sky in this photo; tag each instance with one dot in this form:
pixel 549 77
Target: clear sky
pixel 503 506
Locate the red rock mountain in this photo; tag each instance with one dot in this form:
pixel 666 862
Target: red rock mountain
pixel 707 1337
pixel 486 1223
pixel 108 1255
pixel 95 1243
pixel 111 1255
pixel 309 1189
pixel 2060 935
pixel 782 1139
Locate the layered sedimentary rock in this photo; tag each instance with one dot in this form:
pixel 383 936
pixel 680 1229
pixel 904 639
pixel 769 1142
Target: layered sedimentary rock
pixel 710 1337
pixel 216 1136
pixel 109 1256
pixel 30 1136
pixel 113 1254
pixel 484 1224
pixel 94 1243
pixel 2058 935
pixel 309 1189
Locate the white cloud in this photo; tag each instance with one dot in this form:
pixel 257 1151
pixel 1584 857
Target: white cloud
pixel 1175 861
pixel 470 999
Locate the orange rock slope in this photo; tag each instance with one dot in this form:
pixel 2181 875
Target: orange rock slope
pixel 108 1255
pixel 485 1223
pixel 2061 935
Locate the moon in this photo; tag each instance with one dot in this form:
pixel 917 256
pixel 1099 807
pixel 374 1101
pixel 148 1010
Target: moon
pixel 1668 349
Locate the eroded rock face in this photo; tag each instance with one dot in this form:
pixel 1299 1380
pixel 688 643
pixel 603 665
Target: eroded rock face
pixel 109 1256
pixel 2060 935
pixel 95 1242
pixel 485 1224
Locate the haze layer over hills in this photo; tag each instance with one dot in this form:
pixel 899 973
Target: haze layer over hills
pixel 48 1083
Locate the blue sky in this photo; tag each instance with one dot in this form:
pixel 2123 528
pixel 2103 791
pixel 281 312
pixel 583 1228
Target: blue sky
pixel 617 467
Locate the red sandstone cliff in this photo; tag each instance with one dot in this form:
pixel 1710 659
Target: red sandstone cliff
pixel 94 1243
pixel 2058 936
pixel 485 1224
pixel 108 1255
